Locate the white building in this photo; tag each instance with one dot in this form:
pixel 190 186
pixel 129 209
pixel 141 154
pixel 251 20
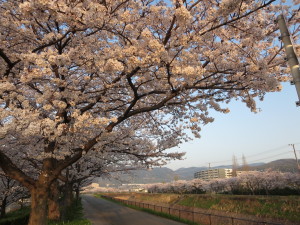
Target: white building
pixel 213 174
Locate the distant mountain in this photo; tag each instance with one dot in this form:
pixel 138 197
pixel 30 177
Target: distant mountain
pixel 283 165
pixel 155 175
pixel 256 164
pixel 188 173
pixel 164 175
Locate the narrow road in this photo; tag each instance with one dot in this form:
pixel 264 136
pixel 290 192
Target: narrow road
pixel 103 212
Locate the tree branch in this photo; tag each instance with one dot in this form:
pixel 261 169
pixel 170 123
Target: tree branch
pixel 14 172
pixel 237 18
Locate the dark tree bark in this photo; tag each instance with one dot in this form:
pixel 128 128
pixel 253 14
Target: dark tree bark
pixel 77 192
pixel 3 206
pixel 53 202
pixel 39 206
pixel 68 198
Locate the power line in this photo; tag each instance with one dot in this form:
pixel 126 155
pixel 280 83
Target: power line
pixel 258 160
pixel 266 152
pixel 271 156
pixel 261 153
pixel 250 156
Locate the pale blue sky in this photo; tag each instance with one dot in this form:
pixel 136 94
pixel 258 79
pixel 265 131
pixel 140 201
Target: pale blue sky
pixel 261 137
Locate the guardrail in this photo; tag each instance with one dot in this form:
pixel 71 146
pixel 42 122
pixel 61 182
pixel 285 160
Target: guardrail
pixel 194 216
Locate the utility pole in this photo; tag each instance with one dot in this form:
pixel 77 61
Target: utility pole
pixel 293 145
pixel 290 54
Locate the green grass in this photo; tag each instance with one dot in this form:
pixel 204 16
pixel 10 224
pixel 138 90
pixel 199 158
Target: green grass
pixel 73 217
pixel 74 222
pixel 161 214
pixel 19 217
pixel 287 207
pixel 17 213
pixel 200 203
pixel 277 207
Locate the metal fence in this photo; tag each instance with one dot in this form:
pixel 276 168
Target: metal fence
pixel 194 216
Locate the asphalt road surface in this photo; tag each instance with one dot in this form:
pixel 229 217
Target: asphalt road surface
pixel 103 212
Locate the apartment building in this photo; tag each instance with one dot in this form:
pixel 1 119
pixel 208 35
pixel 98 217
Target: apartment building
pixel 213 174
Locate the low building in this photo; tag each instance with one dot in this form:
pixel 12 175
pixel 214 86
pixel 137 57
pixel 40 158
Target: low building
pixel 213 174
pixel 133 187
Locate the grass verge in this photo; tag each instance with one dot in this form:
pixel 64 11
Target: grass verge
pixel 277 207
pixel 285 208
pixel 161 214
pixel 20 217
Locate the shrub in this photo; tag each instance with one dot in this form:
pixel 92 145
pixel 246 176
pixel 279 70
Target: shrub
pixel 19 217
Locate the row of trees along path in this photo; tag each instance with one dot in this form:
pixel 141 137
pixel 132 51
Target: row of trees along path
pixel 91 83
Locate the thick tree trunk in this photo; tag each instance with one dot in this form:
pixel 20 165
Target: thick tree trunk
pixel 3 207
pixel 68 199
pixel 77 189
pixel 53 205
pixel 77 194
pixel 38 214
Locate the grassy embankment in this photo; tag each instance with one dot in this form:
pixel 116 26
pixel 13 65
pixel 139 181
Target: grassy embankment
pixel 277 207
pixel 21 216
pixel 287 207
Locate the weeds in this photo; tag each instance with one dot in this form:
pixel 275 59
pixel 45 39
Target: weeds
pixel 276 207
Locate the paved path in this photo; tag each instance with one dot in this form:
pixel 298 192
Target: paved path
pixel 103 212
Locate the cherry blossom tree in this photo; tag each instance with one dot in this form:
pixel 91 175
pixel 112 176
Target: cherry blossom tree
pixel 10 192
pixel 78 74
pixel 252 181
pixel 115 157
pixel 249 182
pixel 234 185
pixel 198 186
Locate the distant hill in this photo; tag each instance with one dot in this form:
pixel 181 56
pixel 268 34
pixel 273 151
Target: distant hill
pixel 161 175
pixel 155 175
pixel 188 173
pixel 283 165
